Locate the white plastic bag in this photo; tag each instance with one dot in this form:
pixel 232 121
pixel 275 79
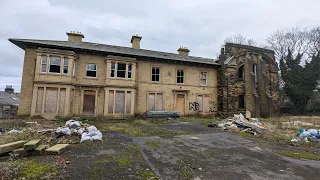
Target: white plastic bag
pixel 73 124
pixel 91 128
pixel 97 136
pixel 85 137
pixel 61 130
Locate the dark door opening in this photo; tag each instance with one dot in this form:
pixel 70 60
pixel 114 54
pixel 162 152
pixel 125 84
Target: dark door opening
pixel 241 102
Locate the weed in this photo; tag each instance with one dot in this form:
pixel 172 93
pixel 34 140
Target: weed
pixel 153 144
pixel 298 155
pixel 146 175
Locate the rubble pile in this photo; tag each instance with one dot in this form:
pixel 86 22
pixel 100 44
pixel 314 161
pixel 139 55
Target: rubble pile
pixel 239 123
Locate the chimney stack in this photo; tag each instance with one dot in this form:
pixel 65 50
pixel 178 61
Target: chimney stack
pixel 183 51
pixel 75 36
pixel 9 89
pixel 135 41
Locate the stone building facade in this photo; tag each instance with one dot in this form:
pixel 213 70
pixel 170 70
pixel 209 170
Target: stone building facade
pixel 73 77
pixel 248 80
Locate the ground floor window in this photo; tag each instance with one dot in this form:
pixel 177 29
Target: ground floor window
pixel 119 102
pixel 50 100
pixel 155 102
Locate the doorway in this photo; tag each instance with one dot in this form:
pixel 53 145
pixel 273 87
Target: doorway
pixel 180 104
pixel 89 102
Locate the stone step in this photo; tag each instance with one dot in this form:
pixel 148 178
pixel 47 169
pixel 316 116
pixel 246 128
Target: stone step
pixel 4 148
pixel 57 149
pixel 31 145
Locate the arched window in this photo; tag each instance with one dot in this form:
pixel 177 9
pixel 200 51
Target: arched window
pixel 240 72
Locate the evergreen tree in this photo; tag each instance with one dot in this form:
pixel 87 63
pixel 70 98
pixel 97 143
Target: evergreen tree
pixel 299 80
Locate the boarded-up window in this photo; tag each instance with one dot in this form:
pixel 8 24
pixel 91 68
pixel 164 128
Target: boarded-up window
pixel 51 100
pixel 110 101
pixel 120 99
pixel 62 100
pixel 128 102
pixel 155 102
pixel 159 103
pixel 39 100
pixel 151 99
pixel 71 100
pixel 200 103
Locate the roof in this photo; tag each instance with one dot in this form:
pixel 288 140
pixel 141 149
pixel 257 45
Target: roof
pixel 8 99
pixel 254 48
pixel 22 43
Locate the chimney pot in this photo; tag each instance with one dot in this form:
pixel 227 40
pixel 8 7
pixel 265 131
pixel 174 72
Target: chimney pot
pixel 135 41
pixel 183 51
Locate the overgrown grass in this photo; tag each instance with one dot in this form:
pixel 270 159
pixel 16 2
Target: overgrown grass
pixel 27 169
pixel 153 144
pixel 299 155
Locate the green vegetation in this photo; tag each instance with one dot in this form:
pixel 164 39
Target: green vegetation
pixel 153 144
pixel 298 155
pixel 300 80
pixel 146 175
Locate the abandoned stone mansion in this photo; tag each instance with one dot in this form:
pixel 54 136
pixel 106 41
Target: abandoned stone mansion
pixel 74 77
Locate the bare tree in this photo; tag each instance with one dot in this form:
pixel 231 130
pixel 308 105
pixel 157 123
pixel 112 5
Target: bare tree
pixel 239 39
pixel 303 41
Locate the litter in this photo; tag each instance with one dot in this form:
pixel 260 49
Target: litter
pixel 73 124
pixel 14 131
pixel 307 135
pixel 65 131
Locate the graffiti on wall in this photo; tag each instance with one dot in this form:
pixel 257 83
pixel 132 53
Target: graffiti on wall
pixel 194 106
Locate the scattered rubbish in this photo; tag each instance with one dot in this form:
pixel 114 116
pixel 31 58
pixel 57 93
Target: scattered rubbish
pixel 307 135
pixel 239 123
pixel 213 125
pixel 200 169
pixel 194 138
pixel 2 131
pixel 14 131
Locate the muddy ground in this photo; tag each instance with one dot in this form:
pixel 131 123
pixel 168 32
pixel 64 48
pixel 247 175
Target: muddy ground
pixel 204 153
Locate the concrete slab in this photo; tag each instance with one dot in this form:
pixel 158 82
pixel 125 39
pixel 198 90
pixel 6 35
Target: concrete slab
pixel 41 149
pixel 4 148
pixel 57 149
pixel 31 145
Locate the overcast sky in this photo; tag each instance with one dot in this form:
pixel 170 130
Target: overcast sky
pixel 164 25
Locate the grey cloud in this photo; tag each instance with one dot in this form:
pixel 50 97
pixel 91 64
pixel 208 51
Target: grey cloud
pixel 164 25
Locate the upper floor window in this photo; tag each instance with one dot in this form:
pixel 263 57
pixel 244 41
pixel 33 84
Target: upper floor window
pixel 55 64
pixel 91 70
pixel 129 70
pixel 120 70
pixel 254 71
pixel 74 69
pixel 65 65
pixel 203 78
pixel 43 63
pixel 155 74
pixel 240 72
pixel 180 76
